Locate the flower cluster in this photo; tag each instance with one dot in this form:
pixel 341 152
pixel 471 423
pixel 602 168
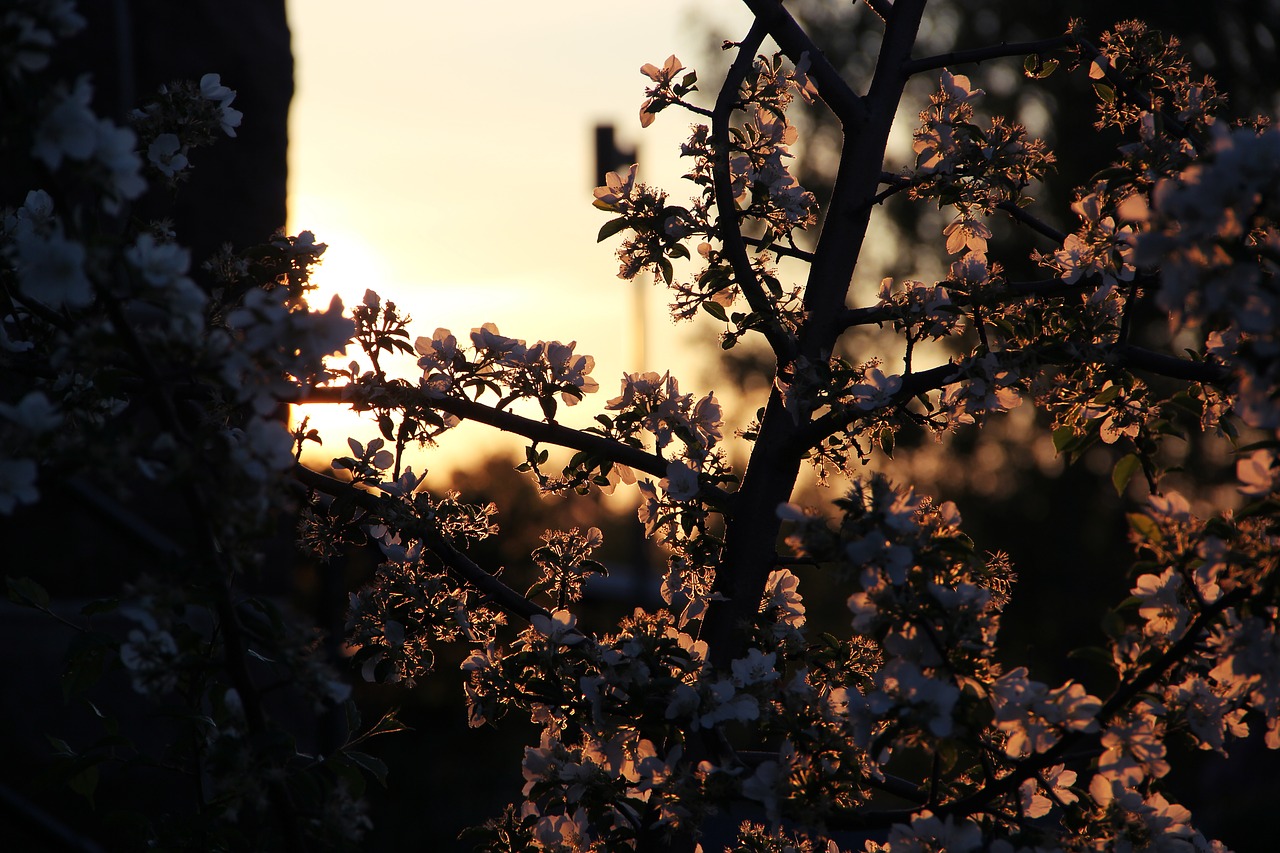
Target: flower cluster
pixel 183 116
pixel 971 168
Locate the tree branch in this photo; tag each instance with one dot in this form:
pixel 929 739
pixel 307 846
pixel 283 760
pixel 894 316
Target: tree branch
pixel 982 54
pixel 1012 291
pixel 1122 355
pixel 727 225
pixel 778 249
pixel 397 396
pixel 459 564
pixel 882 8
pixel 1123 695
pixel 1033 222
pixel 771 472
pixel 847 106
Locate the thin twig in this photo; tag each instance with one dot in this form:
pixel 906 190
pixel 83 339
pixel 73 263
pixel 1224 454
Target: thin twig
pixel 395 513
pixel 396 396
pixel 982 54
pixel 1033 222
pixel 1123 695
pixel 779 249
pixel 1122 355
pixel 882 8
pixel 728 227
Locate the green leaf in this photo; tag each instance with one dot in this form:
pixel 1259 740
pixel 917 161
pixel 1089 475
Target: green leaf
pixel 388 724
pixel 27 592
pixel 103 605
pixel 61 747
pixel 1123 472
pixel 715 309
pixel 1105 92
pixel 886 442
pixel 613 226
pixel 1107 394
pixel 85 782
pixel 668 273
pixel 375 767
pixel 348 771
pixel 1144 526
pixel 1062 436
pixel 1037 68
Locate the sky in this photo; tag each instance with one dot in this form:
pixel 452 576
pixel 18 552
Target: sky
pixel 446 158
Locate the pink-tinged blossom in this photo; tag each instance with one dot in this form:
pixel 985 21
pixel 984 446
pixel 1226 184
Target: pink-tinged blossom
pixel 69 129
pixel 782 597
pixel 1171 505
pixel 114 151
pixel 927 832
pixel 971 270
pixel 958 88
pixel 161 264
pixel 1038 795
pixel 166 153
pixel 1134 749
pixel 560 627
pixel 570 369
pixel 924 305
pixel 967 234
pixel 438 351
pixel 707 418
pixel 51 268
pixel 1147 823
pixel 762 786
pixel 681 482
pixel 495 346
pixel 876 391
pixel 1161 605
pixel 658 94
pixel 664 75
pixel 211 89
pixel 1210 716
pixel 34 413
pixel 1257 473
pixel 616 194
pixel 756 668
pixel 800 79
pixel 908 694
pixel 1034 717
pixel 989 389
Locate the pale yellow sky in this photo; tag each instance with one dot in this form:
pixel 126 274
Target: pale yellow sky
pixel 446 158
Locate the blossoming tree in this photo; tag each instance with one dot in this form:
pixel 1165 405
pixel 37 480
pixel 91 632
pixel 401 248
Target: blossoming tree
pixel 720 717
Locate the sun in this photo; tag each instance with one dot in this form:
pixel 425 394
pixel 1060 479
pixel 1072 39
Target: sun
pixel 349 266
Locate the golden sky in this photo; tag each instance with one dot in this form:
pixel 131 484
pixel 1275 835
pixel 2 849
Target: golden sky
pixel 446 157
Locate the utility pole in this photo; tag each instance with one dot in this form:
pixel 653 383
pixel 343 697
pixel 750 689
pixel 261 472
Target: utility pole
pixel 611 158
